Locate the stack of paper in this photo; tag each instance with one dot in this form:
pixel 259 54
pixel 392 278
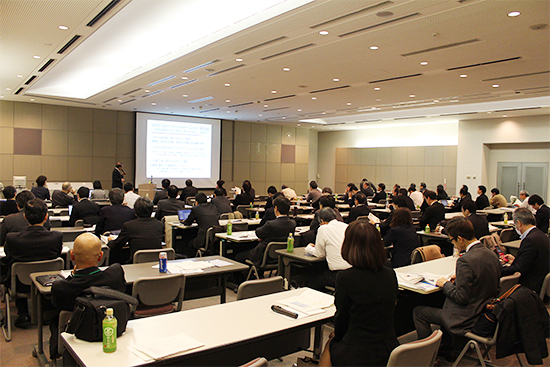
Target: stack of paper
pixel 424 281
pixel 191 267
pixel 156 349
pixel 308 303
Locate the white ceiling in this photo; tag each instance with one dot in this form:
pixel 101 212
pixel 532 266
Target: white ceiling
pixel 429 31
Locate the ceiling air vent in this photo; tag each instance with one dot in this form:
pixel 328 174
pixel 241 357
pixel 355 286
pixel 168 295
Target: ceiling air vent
pixel 378 25
pixel 276 98
pixel 19 90
pixel 102 13
pixel 228 69
pixel 198 67
pixel 395 78
pixel 212 110
pixel 30 80
pixel 516 76
pixel 337 19
pixel 152 93
pixel 162 80
pixel 132 91
pixel 484 63
pixel 128 101
pixel 329 89
pixel 260 45
pixel 276 109
pixel 443 47
pixel 201 99
pixel 68 44
pixel 241 104
pixel 109 100
pixel 183 83
pixel 288 51
pixel 45 66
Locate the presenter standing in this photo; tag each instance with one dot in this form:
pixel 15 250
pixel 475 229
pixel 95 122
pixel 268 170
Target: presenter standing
pixel 118 176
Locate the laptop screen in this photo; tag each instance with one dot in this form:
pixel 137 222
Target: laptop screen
pixel 70 209
pixel 444 202
pixel 183 214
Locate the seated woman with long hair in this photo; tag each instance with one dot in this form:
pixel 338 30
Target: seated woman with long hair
pixel 365 301
pixel 402 235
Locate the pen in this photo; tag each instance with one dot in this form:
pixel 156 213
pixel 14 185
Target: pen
pixel 282 311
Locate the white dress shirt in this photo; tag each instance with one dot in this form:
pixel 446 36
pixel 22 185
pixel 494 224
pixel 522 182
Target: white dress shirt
pixel 130 198
pixel 417 198
pixel 526 205
pixel 329 244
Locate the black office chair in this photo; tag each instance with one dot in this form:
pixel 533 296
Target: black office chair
pixel 269 261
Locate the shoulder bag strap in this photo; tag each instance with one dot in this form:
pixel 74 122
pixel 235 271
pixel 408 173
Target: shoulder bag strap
pixel 113 294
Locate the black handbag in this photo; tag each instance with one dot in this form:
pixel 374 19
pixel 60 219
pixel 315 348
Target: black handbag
pixel 89 312
pixel 488 320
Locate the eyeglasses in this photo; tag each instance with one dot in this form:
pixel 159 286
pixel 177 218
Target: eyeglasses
pixel 452 239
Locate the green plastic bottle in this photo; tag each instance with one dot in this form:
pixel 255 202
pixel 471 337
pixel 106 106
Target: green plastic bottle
pixel 229 228
pixel 427 229
pixel 109 331
pixel 290 243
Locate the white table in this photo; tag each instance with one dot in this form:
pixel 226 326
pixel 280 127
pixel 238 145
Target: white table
pixel 452 215
pixel 441 266
pixel 233 333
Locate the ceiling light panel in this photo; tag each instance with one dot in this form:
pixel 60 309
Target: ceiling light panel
pixel 135 41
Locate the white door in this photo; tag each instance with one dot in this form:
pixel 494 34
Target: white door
pixel 512 177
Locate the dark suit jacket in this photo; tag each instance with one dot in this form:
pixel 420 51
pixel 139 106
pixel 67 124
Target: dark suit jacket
pixel 482 202
pixel 269 214
pixel 368 191
pixel 434 214
pixel 243 199
pixel 410 203
pixel 159 195
pixel 16 223
pixel 477 283
pixel 168 206
pixel 543 216
pixel 188 191
pixel 113 217
pixel 274 230
pixel 481 226
pixel 379 196
pixel 269 202
pixel 206 216
pixel 60 198
pixel 404 240
pixel 86 210
pixel 222 204
pixel 41 192
pixel 117 179
pixel 35 243
pixel 65 291
pixel 8 207
pixel 356 212
pixel 532 260
pixel 139 234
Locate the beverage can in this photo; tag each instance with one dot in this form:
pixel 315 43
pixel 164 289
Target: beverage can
pixel 163 262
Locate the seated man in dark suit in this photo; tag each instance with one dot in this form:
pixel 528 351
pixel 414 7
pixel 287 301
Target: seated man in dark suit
pixel 188 190
pixel 86 254
pixel 366 189
pixel 269 213
pixel 62 198
pixel 482 201
pixel 435 212
pixel 10 205
pixel 221 202
pixel 171 205
pixel 543 213
pixel 244 198
pixel 40 191
pixel 162 194
pixel 381 194
pixel 360 209
pixel 273 231
pixel 114 216
pixel 17 222
pixel 408 201
pixel 143 233
pixel 84 208
pixel 206 216
pixel 476 283
pixel 481 226
pixel 350 192
pixel 35 243
pixel 533 257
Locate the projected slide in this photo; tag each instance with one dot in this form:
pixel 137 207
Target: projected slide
pixel 178 149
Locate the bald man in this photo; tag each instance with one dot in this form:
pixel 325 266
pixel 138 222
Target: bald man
pixel 86 254
pixel 64 197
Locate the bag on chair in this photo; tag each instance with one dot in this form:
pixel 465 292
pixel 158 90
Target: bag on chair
pixel 487 322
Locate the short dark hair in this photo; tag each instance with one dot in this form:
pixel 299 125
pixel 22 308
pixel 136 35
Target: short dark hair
pixel 247 186
pixel 271 190
pixel 382 186
pixel 172 191
pixel 360 197
pixel 535 199
pixel 430 194
pixel 97 185
pixel 440 188
pixel 495 191
pixel 423 184
pixel 188 182
pixel 83 192
pixel 23 197
pixel 327 190
pixel 313 185
pixel 352 187
pixel 362 246
pixel 400 201
pixel 218 192
pixel 41 180
pixel 165 183
pixel 282 204
pixel 403 192
pixel 201 198
pixel 469 205
pixel 401 217
pixel 463 190
pixel 460 226
pixel 412 187
pixel 524 216
pixel 118 165
pixel 220 183
pixel 35 211
pixel 143 207
pixel 327 200
pixel 9 192
pixel 482 188
pixel 327 214
pixel 116 196
pixel 128 187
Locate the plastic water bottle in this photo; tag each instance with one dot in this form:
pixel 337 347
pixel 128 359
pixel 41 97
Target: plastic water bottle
pixel 505 218
pixel 229 228
pixel 109 331
pixel 427 229
pixel 377 225
pixel 290 243
pixel 257 216
pixel 163 262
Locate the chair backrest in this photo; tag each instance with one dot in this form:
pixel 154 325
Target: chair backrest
pixel 237 215
pixel 64 317
pixel 364 218
pixel 79 223
pixel 508 235
pixel 492 241
pixel 227 216
pixel 168 228
pixel 260 287
pixel 242 209
pixel 23 270
pixel 190 200
pixel 382 201
pixel 270 253
pixel 72 235
pixel 545 290
pixel 149 256
pixel 416 215
pixel 258 362
pixel 509 281
pixel 421 353
pixel 426 253
pixel 239 227
pixel 160 290
pixel 211 239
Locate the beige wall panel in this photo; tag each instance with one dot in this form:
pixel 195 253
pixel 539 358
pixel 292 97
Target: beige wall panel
pixel 227 130
pixel 104 145
pixel 81 144
pixel 433 176
pixel 355 156
pixel 242 131
pixel 125 145
pixel 399 176
pixel 342 173
pixel 300 173
pixel 383 174
pixel 241 171
pixel 342 156
pixel 102 169
pixel 227 172
pixel 273 153
pixel 241 152
pixel 105 121
pixel 6 140
pixel 449 174
pixel 449 156
pixel 415 174
pixel 257 152
pixel 6 169
pixel 287 173
pixel 80 170
pixel 6 113
pixel 369 156
pixel 302 154
pixel 260 187
pixel 54 142
pixel 340 187
pixel 433 156
pixel 55 168
pixel 227 150
pixel 368 172
pixel 415 156
pixel 288 135
pixel 55 117
pixel 302 136
pixel 126 123
pixel 257 172
pixel 81 119
pixel 399 156
pixel 258 133
pixel 383 156
pixel 273 174
pixel 354 174
pixel 27 165
pixel 274 133
pixel 28 115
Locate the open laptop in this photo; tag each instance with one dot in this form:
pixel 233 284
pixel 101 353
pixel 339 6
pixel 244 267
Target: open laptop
pixel 444 202
pixel 183 214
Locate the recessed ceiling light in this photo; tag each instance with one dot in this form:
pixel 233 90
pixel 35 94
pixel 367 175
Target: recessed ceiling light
pixel 286 69
pixel 349 103
pixel 227 84
pixel 412 95
pixel 335 80
pixel 299 110
pixel 153 103
pixel 377 88
pixel 32 100
pixel 19 76
pixel 64 27
pixel 378 100
pixel 323 33
pixel 8 88
pixel 453 100
pixel 463 75
pixel 239 60
pixel 265 105
pixel 273 91
pixel 119 100
pixel 36 56
pixel 184 77
pixel 184 95
pixel 259 115
pixel 298 125
pixel 228 111
pixel 514 13
pixel 504 115
pixel 227 101
pixel 146 90
pixel 373 47
pixel 323 113
pixel 489 112
pixel 284 118
pixel 496 85
pixel 424 63
pixel 436 100
pixel 313 97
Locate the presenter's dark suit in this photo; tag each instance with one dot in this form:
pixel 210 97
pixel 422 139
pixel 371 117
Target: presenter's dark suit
pixel 356 212
pixel 477 283
pixel 8 207
pixel 434 214
pixel 41 192
pixel 16 223
pixel 481 226
pixel 61 199
pixel 139 234
pixel 222 204
pixel 85 210
pixel 206 216
pixel 169 206
pixel 187 192
pixel 404 240
pixel 379 196
pixel 117 179
pixel 363 322
pixel 113 217
pixel 543 216
pixel 159 195
pixel 482 202
pixel 532 260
